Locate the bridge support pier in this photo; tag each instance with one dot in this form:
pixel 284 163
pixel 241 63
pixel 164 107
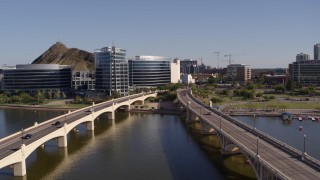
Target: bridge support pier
pixel 111 115
pixel 206 128
pixel 127 108
pixel 90 126
pixel 19 169
pixel 62 141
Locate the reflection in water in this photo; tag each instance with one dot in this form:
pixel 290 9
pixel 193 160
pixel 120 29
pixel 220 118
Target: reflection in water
pixel 234 166
pixel 136 146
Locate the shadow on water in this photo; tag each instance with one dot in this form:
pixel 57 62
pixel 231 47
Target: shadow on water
pixel 231 166
pixel 48 157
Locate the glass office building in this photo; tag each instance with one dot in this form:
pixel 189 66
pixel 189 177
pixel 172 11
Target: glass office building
pixel 111 71
pixel 149 71
pixel 305 72
pixel 32 77
pixel 316 52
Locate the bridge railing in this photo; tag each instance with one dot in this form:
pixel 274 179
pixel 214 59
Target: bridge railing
pixel 245 149
pixel 62 116
pixel 289 149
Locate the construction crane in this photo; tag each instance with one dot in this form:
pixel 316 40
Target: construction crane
pixel 228 55
pixel 217 52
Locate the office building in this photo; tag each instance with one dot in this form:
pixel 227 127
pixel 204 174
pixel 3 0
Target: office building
pixel 189 66
pixel 305 73
pixel 111 71
pixel 175 71
pixel 32 77
pixel 302 57
pixel 83 80
pixel 316 52
pixel 187 79
pixel 239 72
pixel 149 71
pixel 1 78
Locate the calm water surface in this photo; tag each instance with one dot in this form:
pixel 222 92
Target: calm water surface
pixel 144 146
pixel 289 132
pixel 136 146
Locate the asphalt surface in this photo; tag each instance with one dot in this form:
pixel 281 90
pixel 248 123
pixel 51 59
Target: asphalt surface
pixel 292 167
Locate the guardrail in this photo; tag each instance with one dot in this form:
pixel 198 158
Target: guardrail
pixel 308 159
pixel 61 116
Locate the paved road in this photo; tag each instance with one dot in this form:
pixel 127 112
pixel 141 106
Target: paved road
pixel 285 163
pixel 8 146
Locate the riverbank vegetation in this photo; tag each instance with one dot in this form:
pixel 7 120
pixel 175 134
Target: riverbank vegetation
pixel 254 95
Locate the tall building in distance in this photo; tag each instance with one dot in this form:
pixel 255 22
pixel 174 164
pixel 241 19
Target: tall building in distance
pixel 189 66
pixel 316 52
pixel 306 72
pixel 149 71
pixel 175 71
pixel 239 72
pixel 111 71
pixel 302 57
pixel 32 77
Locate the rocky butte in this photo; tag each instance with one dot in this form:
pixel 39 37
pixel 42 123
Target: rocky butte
pixel 58 53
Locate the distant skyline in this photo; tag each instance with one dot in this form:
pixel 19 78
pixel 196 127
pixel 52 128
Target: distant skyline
pixel 260 33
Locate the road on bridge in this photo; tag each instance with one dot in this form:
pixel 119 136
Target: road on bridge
pixel 12 144
pixel 290 166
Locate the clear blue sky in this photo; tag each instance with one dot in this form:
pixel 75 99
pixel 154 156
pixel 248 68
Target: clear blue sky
pixel 268 33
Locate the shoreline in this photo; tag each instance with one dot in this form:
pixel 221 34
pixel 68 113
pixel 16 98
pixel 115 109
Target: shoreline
pixel 295 112
pixel 36 108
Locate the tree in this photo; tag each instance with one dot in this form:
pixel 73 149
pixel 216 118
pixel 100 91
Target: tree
pixel 216 100
pixel 63 95
pixel 115 94
pixel 57 94
pixel 279 88
pixel 40 96
pixel 49 94
pixel 77 99
pixel 290 85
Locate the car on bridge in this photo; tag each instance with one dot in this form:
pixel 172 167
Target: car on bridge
pixel 27 136
pixel 57 123
pixel 209 113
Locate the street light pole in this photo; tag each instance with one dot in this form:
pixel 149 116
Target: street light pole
pixel 304 144
pixel 257 146
pixel 254 121
pixel 22 136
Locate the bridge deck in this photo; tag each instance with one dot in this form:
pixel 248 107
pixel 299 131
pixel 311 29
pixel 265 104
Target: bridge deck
pixel 287 164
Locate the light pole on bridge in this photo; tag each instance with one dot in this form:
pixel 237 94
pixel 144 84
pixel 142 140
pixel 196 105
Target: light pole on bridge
pixel 304 146
pixel 257 146
pixel 254 121
pixel 22 136
pixel 220 121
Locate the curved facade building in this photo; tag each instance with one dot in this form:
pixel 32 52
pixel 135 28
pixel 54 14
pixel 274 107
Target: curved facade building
pixel 32 77
pixel 149 71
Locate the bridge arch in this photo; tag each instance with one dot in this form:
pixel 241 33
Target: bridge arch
pixel 17 158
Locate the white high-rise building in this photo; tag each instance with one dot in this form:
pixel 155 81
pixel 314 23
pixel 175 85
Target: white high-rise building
pixel 175 71
pixel 111 71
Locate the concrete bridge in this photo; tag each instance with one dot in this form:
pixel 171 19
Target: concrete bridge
pixel 14 150
pixel 269 157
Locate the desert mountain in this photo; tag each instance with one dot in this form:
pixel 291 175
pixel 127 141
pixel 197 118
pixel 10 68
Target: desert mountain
pixel 59 54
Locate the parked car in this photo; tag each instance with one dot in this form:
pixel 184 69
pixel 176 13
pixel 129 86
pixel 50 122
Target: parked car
pixel 27 136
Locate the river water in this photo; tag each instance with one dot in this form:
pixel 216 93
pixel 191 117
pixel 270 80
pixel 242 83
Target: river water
pixel 134 146
pixel 137 146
